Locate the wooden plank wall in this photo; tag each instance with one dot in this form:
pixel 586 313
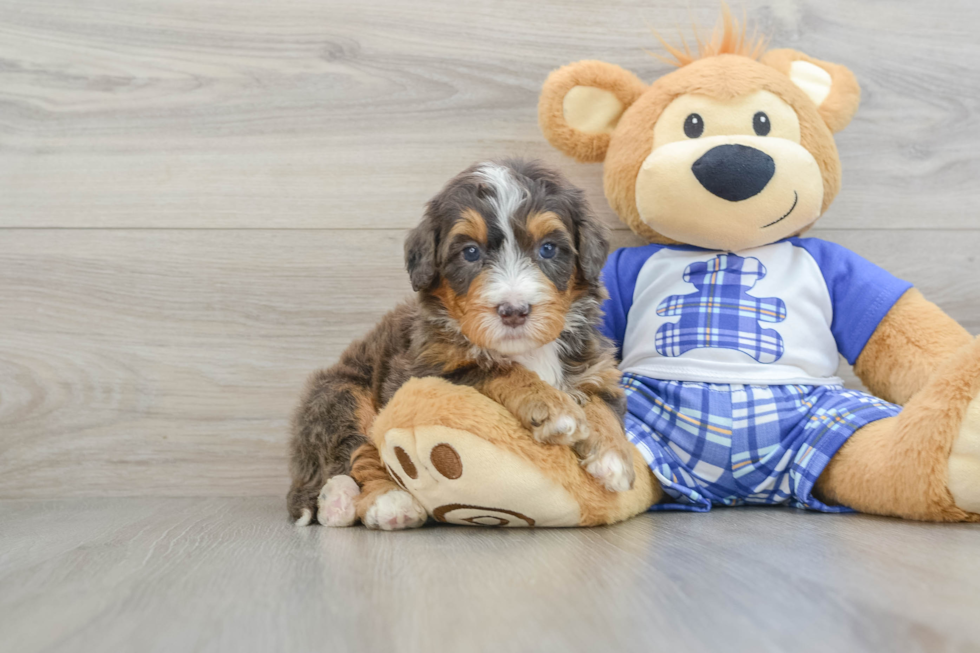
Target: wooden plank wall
pixel 200 202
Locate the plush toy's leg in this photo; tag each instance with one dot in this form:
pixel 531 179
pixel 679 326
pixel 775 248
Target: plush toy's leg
pixel 923 464
pixel 467 460
pixel 381 503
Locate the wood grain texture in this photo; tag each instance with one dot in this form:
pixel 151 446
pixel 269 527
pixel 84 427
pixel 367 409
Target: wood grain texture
pixel 167 362
pixel 141 362
pixel 232 575
pixel 325 113
pixel 200 202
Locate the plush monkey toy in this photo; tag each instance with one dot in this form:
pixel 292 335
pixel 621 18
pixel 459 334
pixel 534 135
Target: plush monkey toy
pixel 729 323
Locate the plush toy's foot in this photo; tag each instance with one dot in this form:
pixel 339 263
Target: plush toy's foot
pixel 964 461
pixel 394 510
pixel 923 464
pixel 335 505
pixel 467 460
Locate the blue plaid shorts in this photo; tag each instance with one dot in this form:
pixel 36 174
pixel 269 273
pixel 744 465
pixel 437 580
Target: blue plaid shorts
pixel 742 444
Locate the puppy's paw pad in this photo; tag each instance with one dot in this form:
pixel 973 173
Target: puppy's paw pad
pixel 612 470
pixel 335 505
pixel 395 510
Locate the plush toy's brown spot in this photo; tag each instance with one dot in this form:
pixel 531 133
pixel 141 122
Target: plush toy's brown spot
pixel 406 463
pixel 445 459
pixel 439 514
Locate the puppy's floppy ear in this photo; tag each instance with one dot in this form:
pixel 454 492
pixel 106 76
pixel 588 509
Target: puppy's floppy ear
pixel 420 254
pixel 592 243
pixel 832 87
pixel 581 104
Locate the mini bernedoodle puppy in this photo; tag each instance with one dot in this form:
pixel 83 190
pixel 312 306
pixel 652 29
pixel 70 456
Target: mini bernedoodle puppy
pixel 506 264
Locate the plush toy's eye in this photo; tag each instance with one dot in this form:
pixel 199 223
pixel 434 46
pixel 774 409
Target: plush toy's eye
pixel 693 126
pixel 761 124
pixel 471 253
pixel 548 250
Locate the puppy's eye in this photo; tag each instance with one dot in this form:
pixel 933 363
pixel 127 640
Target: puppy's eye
pixel 471 253
pixel 548 250
pixel 761 123
pixel 693 126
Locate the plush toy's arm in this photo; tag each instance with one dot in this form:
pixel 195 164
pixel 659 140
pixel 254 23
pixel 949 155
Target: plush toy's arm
pixel 913 339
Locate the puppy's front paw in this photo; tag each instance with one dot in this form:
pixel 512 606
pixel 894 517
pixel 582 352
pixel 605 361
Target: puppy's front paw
pixel 554 419
pixel 612 469
pixel 335 504
pixel 395 510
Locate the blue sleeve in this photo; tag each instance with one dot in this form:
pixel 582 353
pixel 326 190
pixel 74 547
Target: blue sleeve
pixel 619 276
pixel 861 293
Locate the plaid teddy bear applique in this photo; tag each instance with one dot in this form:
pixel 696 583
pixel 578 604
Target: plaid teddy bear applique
pixel 722 313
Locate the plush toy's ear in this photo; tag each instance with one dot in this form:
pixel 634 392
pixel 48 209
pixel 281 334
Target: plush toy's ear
pixel 581 104
pixel 832 87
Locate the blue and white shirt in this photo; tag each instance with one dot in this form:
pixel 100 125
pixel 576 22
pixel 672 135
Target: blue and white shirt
pixel 773 315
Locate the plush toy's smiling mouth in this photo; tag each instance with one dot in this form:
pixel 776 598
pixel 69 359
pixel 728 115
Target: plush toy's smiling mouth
pixel 796 198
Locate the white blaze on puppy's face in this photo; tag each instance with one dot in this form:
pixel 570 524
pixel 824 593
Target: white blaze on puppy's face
pixel 513 278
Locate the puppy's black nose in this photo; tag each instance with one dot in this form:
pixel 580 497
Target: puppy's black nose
pixel 734 172
pixel 513 316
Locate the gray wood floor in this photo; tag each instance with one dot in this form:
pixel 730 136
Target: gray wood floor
pixel 203 200
pixel 232 575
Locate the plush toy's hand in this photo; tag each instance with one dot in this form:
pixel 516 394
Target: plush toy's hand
pixel 553 418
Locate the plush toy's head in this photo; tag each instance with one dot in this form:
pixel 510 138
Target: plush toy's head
pixel 733 150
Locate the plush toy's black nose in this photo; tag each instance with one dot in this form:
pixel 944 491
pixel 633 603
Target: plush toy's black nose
pixel 734 172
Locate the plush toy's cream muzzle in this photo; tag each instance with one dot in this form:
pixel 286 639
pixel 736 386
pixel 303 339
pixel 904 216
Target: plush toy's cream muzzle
pixel 729 192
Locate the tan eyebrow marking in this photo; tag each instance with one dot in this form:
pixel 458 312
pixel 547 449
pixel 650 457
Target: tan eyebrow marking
pixel 540 225
pixel 470 224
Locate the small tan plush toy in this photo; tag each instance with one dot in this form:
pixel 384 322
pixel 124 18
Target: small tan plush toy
pixel 728 324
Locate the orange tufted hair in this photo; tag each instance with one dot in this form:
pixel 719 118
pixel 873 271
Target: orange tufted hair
pixel 728 37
